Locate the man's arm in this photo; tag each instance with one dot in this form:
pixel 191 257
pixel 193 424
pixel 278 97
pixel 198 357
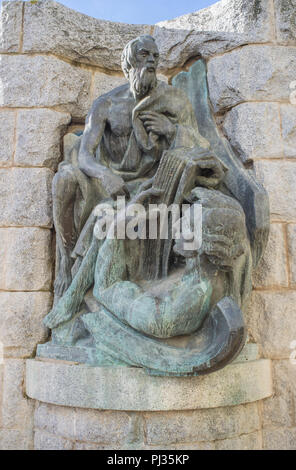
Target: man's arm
pixel 93 133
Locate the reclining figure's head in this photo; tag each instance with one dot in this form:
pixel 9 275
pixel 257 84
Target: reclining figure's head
pixel 139 62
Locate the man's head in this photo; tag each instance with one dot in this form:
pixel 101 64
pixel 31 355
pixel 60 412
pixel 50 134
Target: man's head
pixel 139 62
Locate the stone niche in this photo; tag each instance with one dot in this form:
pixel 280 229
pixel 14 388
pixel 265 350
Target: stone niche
pixel 54 63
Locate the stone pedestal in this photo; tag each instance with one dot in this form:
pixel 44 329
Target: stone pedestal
pixel 84 407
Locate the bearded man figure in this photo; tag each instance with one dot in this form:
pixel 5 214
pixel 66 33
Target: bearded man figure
pixel 127 130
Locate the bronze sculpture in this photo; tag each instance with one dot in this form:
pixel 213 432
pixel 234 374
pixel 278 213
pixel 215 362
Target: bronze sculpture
pixel 142 302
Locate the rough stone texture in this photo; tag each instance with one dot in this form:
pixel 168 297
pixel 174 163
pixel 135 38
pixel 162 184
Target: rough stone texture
pixel 292 251
pixel 21 326
pixel 39 134
pixel 271 322
pixel 15 439
pixel 201 425
pixel 288 121
pixel 17 409
pixel 55 420
pixel 103 83
pixel 254 130
pixel 130 389
pixel 92 446
pixel 279 439
pixel 234 77
pixel 178 46
pixel 10 26
pixel 272 270
pixel 52 27
pixel 195 446
pixel 28 81
pixel 55 429
pixel 245 442
pixel 285 13
pixel 104 427
pixel 100 427
pixel 26 197
pixel 253 19
pixel 45 441
pixel 25 259
pixel 278 177
pixel 90 429
pixel 213 30
pixel 279 410
pixel 7 125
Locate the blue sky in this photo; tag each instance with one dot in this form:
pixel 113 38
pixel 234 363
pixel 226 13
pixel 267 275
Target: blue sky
pixel 137 11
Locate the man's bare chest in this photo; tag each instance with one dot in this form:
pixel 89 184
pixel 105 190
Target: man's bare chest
pixel 120 118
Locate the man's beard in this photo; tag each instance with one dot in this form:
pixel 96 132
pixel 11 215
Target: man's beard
pixel 141 81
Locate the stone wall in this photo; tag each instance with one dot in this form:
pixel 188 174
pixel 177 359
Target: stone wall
pixel 58 428
pixel 54 62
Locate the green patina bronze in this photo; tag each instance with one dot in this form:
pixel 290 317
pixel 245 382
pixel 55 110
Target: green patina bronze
pixel 152 303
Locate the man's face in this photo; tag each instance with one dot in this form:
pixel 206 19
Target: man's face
pixel 147 55
pixel 143 77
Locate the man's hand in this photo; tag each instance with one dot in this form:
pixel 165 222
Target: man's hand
pixel 113 184
pixel 121 191
pixel 144 196
pixel 158 124
pixel 222 250
pixel 224 234
pixel 211 171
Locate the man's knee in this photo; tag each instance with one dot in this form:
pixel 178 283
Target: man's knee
pixel 65 178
